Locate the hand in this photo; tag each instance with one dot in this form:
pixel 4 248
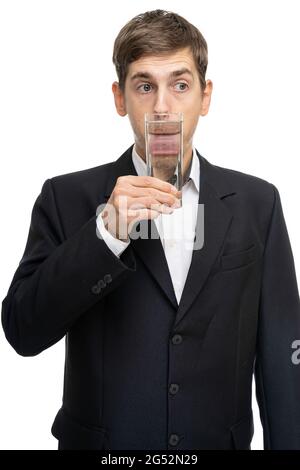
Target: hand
pixel 135 198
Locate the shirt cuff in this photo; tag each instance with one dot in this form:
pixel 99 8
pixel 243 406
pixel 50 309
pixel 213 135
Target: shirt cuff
pixel 114 244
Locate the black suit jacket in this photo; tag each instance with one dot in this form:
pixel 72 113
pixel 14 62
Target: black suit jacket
pixel 141 371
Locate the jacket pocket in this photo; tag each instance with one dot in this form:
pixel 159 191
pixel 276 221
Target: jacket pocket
pixel 242 433
pixel 239 259
pixel 74 435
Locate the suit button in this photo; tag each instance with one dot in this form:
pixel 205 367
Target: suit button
pixel 96 289
pixel 177 339
pixel 174 439
pixel 173 389
pixel 101 283
pixel 107 278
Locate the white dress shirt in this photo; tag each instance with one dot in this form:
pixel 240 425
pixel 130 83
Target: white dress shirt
pixel 176 230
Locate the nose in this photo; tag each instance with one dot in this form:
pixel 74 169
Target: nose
pixel 162 105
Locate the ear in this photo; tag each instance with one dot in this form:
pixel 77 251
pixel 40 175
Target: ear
pixel 206 97
pixel 119 99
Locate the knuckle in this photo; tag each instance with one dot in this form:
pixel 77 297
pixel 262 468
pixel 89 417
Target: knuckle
pixel 116 201
pixel 154 193
pixel 147 180
pixel 153 201
pixel 117 191
pixel 146 202
pixel 149 199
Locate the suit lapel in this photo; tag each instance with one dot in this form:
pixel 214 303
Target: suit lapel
pixel 149 250
pixel 217 218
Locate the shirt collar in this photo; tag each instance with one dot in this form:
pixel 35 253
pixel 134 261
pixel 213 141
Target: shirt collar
pixel 141 167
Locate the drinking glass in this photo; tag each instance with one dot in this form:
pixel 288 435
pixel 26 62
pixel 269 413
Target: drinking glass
pixel 164 147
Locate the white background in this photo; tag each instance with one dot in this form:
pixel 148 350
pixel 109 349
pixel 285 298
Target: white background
pixel 57 116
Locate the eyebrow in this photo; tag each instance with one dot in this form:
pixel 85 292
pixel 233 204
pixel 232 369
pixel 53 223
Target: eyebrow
pixel 174 74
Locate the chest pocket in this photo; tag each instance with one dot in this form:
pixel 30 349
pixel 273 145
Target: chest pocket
pixel 238 259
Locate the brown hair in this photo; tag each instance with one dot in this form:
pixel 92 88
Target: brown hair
pixel 158 32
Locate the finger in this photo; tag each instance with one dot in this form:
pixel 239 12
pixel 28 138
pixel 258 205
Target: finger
pixel 151 182
pixel 149 203
pixel 142 214
pixel 151 196
pixel 160 208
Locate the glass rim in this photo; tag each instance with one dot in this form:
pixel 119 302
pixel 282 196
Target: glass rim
pixel 148 117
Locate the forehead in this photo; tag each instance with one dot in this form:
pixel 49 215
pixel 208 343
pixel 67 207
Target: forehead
pixel 163 65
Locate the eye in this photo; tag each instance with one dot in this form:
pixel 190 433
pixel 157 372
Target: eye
pixel 145 88
pixel 181 86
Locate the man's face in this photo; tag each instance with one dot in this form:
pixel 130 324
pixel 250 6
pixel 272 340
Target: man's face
pixel 163 84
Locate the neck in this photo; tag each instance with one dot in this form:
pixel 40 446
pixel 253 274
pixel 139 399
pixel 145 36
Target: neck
pixel 187 161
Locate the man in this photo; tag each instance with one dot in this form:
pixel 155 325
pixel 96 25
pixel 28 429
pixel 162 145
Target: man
pixel 161 340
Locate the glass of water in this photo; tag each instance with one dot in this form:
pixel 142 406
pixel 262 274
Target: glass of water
pixel 164 147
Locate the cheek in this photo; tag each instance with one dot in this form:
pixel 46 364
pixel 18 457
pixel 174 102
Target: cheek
pixel 191 111
pixel 190 124
pixel 137 124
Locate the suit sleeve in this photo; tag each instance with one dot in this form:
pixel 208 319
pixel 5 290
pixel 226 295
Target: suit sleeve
pixel 58 279
pixel 277 375
pixel 114 244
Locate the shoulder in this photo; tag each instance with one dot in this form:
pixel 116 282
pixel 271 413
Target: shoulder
pixel 250 187
pixel 76 192
pixel 80 183
pixel 81 177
